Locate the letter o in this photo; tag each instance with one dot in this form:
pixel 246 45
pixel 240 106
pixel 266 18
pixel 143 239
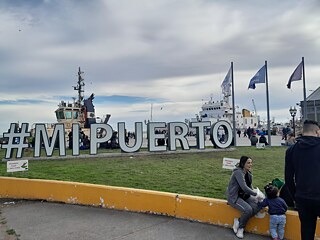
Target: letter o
pixel 228 134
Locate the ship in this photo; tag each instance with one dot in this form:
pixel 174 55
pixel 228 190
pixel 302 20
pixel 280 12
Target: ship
pixel 214 111
pixel 80 111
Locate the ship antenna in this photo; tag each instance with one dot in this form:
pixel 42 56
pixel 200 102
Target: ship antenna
pixel 79 88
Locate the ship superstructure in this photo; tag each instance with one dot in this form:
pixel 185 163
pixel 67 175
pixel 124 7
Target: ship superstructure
pixel 80 110
pixel 214 111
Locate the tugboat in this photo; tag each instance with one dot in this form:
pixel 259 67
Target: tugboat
pixel 80 111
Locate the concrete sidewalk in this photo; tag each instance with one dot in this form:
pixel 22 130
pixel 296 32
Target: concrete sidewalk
pixel 35 220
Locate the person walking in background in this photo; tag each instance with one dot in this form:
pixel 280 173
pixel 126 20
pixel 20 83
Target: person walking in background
pixel 302 168
pixel 249 132
pixel 253 139
pixel 239 132
pixel 284 133
pixel 290 140
pixel 277 208
pixel 239 192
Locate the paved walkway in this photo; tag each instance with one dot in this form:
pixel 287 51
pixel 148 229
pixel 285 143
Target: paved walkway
pixel 35 220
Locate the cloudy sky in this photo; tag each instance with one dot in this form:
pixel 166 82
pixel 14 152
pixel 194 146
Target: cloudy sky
pixel 173 54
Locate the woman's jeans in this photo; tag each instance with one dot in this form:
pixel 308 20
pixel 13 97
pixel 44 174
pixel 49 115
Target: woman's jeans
pixel 248 209
pixel 277 223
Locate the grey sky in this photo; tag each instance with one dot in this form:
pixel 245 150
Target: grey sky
pixel 169 53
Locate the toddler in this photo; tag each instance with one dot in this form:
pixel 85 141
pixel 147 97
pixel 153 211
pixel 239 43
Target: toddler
pixel 277 209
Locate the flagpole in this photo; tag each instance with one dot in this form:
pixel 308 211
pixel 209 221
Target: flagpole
pixel 233 110
pixel 304 92
pixel 268 114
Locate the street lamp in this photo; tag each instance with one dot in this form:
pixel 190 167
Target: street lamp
pixel 293 112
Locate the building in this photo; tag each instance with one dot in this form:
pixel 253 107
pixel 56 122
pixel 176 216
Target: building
pixel 249 120
pixel 313 106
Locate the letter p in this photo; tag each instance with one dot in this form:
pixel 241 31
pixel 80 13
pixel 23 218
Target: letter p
pixel 95 130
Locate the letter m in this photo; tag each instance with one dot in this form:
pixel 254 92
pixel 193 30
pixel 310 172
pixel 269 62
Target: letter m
pixel 41 138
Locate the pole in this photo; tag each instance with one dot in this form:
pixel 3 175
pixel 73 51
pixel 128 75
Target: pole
pixel 304 92
pixel 233 110
pixel 268 111
pixel 151 112
pixel 294 127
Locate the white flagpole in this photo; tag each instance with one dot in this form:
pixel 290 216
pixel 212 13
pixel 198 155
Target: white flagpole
pixel 233 110
pixel 304 93
pixel 268 110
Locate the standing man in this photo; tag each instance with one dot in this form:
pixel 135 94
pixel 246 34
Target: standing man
pixel 302 176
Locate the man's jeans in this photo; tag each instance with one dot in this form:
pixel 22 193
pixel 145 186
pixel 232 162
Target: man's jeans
pixel 277 223
pixel 308 212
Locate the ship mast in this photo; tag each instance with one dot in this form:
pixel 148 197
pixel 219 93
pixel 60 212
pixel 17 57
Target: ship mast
pixel 226 98
pixel 79 88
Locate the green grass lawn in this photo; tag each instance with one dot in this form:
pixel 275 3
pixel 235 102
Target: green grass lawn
pixel 198 174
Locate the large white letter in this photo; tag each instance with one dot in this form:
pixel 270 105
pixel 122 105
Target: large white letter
pixel 42 134
pixel 152 136
pixel 138 137
pixel 227 131
pixel 173 129
pixel 75 139
pixel 94 140
pixel 200 127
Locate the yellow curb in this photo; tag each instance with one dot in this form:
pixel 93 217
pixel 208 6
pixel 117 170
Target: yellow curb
pixel 208 210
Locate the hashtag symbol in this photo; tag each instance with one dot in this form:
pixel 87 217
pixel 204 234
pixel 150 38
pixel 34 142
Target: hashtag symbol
pixel 16 140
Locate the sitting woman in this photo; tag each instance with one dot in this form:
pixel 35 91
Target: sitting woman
pixel 263 139
pixel 239 194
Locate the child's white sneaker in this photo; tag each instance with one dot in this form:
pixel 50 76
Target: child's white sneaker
pixel 235 225
pixel 240 233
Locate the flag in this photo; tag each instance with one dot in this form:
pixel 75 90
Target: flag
pixel 260 77
pixel 226 84
pixel 296 75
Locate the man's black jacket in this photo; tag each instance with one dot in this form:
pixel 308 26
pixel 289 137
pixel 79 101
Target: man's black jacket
pixel 302 168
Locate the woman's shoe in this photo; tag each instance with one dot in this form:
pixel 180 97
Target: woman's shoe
pixel 240 233
pixel 235 225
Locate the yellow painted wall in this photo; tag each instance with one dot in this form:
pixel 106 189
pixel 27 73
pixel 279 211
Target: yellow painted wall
pixel 201 209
